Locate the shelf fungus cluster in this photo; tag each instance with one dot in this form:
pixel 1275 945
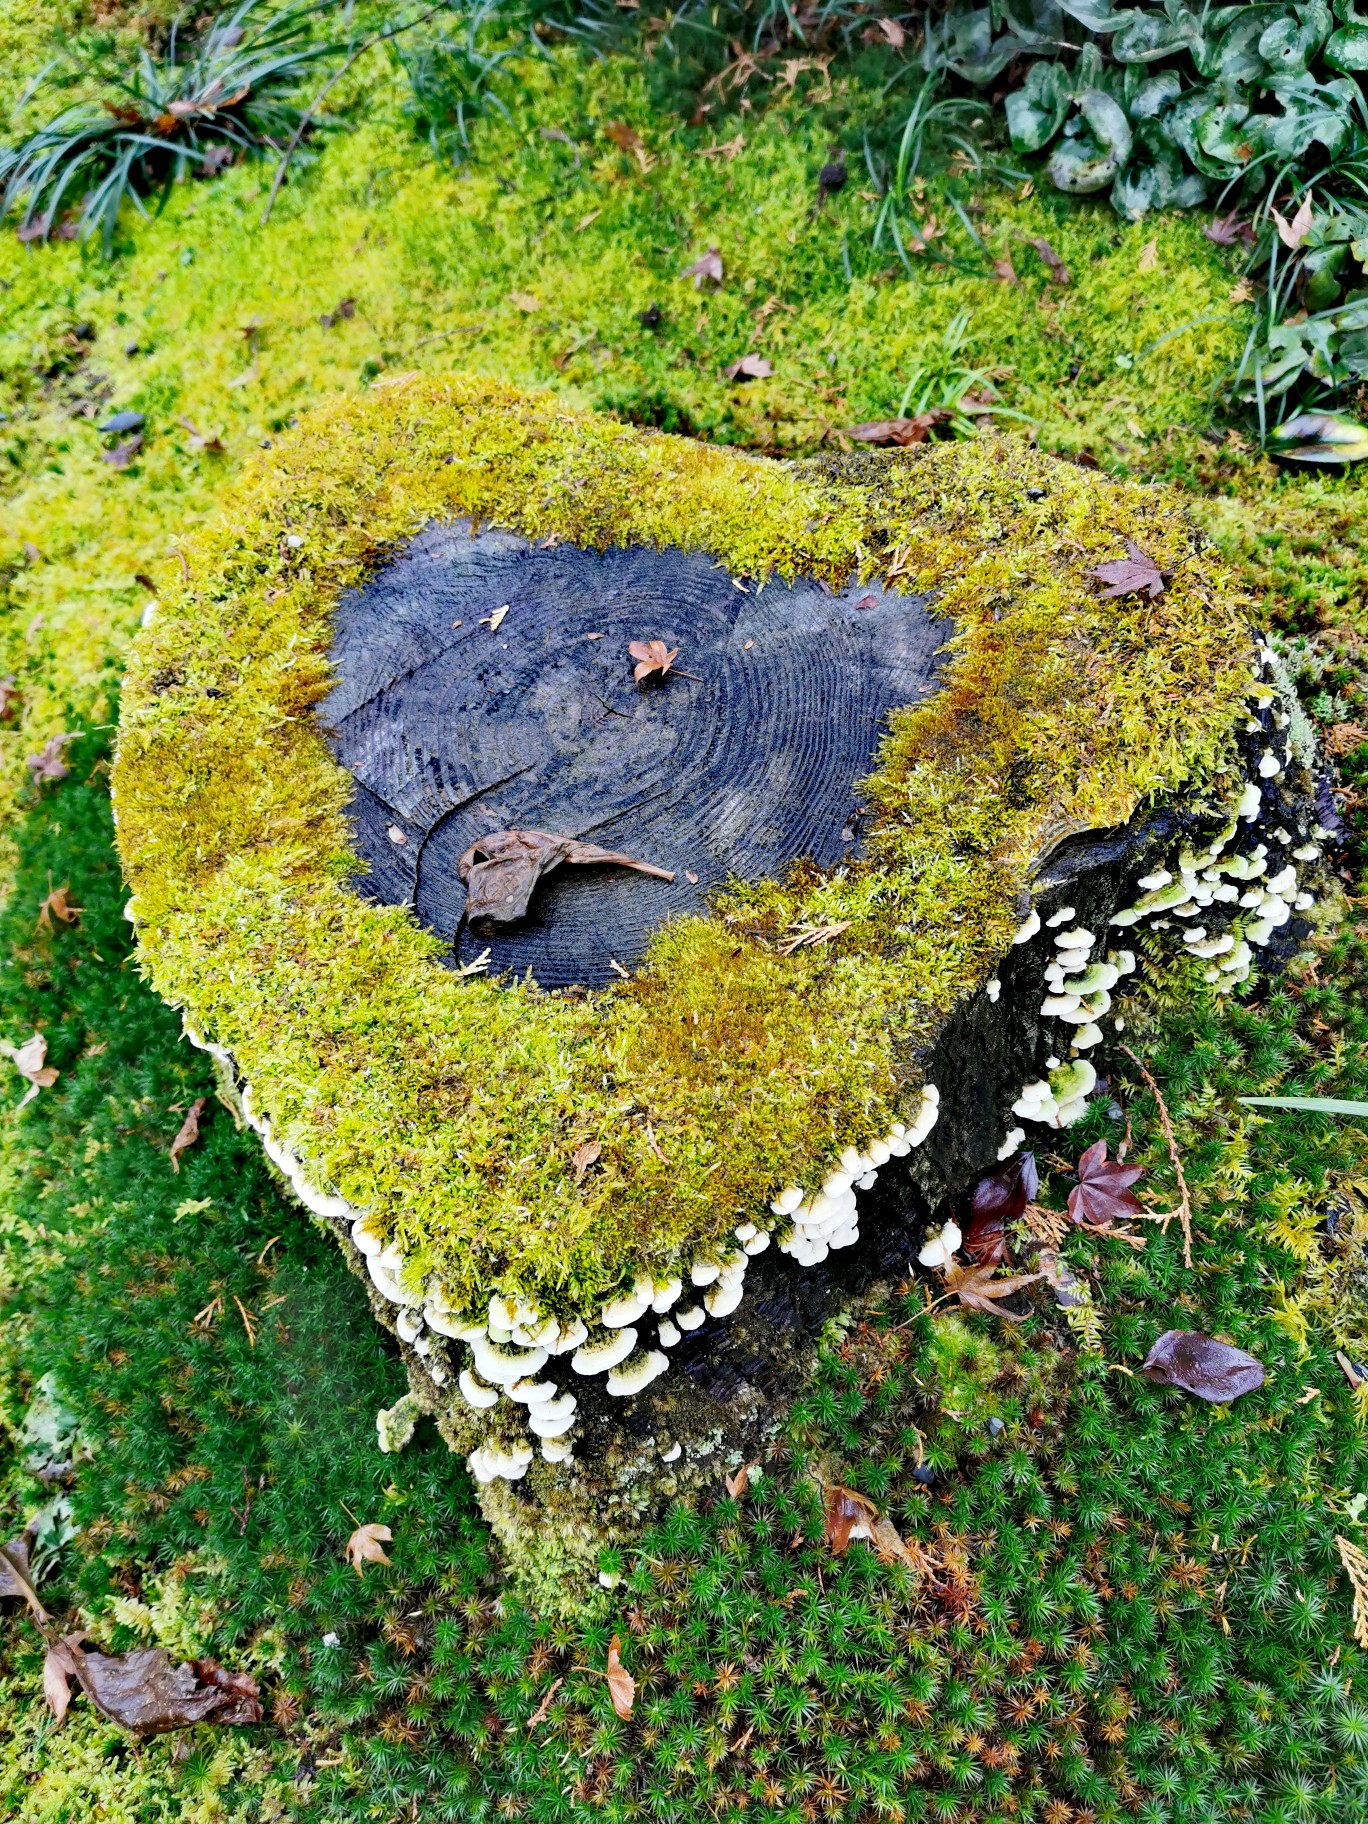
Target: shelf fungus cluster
pixel 913 808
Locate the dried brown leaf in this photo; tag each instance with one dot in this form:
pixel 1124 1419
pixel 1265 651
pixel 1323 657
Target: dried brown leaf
pixel 651 656
pixel 583 1157
pixel 1059 272
pixel 500 871
pixel 189 1131
pixel 1293 234
pixel 621 1684
pixel 1355 1562
pixel 146 1691
pixel 49 766
pixel 543 1709
pixel 749 367
pixel 9 696
pixel 1134 574
pixel 367 1546
pixel 29 1062
pixel 901 432
pixel 707 266
pixel 121 456
pixel 977 1288
pixel 1149 256
pixel 625 138
pixel 16 1579
pixel 59 1668
pixel 738 1486
pixel 847 1515
pixel 57 905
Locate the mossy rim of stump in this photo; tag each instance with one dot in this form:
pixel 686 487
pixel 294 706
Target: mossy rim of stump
pixel 451 1108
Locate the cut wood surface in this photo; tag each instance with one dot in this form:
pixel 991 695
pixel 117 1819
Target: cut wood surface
pixel 486 685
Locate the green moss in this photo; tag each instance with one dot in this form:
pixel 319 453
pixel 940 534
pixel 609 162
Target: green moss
pixel 449 1107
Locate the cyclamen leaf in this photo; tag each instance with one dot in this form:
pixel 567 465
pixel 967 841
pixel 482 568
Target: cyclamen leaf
pixel 1201 1365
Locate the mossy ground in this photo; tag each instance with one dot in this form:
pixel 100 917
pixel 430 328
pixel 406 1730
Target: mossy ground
pixel 1137 1607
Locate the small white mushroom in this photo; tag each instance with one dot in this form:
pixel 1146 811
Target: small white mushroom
pixel 1251 800
pixel 671 1455
pixel 637 1374
pixel 550 1424
pixel 669 1336
pixel 994 989
pixel 409 1324
pixel 450 1323
pixel 1077 939
pixel 557 1450
pixel 504 1366
pixel 758 1243
pixel 704 1272
pixel 721 1301
pixel 1087 1036
pixel 475 1392
pixel 1062 917
pixel 595 1358
pixel 1028 927
pixel 744 1231
pixel 1269 766
pixel 1013 1143
pixel 571 1336
pixel 364 1237
pixel 1307 852
pixel 630 1306
pixel 939 1248
pixel 533 1393
pixel 690 1319
pixel 665 1293
pixel 1160 878
pixel 879 1153
pixel 788 1200
pixel 1284 882
pixel 503 1313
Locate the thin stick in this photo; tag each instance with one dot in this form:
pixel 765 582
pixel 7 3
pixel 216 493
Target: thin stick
pixel 306 119
pixel 1184 1210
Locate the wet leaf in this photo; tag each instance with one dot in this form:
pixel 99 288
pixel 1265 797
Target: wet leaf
pixel 146 1691
pixel 1320 438
pixel 707 266
pixel 832 176
pixel 749 367
pixel 1134 574
pixel 999 1198
pixel 1199 1364
pixel 16 1579
pixel 58 906
pixel 48 766
pixel 121 423
pixel 499 871
pixel 977 1288
pixel 29 1060
pixel 621 1684
pixel 651 656
pixel 367 1546
pixel 583 1157
pixel 1103 1194
pixel 1059 272
pixel 189 1131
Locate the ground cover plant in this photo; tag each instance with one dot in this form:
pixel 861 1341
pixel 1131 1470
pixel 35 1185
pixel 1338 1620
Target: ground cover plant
pixel 1124 1603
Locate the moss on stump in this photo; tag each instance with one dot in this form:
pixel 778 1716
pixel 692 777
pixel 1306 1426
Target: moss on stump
pixel 564 1200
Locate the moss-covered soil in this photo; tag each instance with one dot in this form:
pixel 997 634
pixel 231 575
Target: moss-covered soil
pixel 1132 1605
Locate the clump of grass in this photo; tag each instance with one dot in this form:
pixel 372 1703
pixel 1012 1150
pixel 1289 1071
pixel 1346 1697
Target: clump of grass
pixel 135 131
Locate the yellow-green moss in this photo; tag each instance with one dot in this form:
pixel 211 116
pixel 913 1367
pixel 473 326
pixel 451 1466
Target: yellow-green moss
pixel 451 1107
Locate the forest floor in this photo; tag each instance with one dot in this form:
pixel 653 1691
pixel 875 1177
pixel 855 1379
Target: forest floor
pixel 1131 1605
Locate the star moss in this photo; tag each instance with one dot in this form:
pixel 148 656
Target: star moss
pixel 451 1107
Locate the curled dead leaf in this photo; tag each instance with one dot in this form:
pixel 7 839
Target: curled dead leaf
pixel 189 1131
pixel 48 766
pixel 500 870
pixel 29 1060
pixel 707 266
pixel 16 1578
pixel 621 1684
pixel 57 905
pixel 583 1157
pixel 146 1691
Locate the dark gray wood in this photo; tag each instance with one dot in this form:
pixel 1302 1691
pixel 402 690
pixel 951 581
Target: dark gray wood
pixel 453 732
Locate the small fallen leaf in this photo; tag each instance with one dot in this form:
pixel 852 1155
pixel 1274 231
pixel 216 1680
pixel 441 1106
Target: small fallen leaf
pixel 738 1486
pixel 121 456
pixel 9 696
pixel 367 1546
pixel 189 1131
pixel 894 33
pixel 543 1709
pixel 525 300
pixel 977 1288
pixel 706 266
pixel 499 871
pixel 212 441
pixel 846 1516
pixel 1225 230
pixel 397 836
pixel 1004 270
pixel 1293 234
pixel 1351 1372
pixel 1133 574
pixel 833 175
pixel 29 1062
pixel 999 1198
pixel 48 766
pixel 1149 256
pixel 625 138
pixel 583 1157
pixel 122 422
pixel 1103 1194
pixel 1059 272
pixel 582 224
pixel 900 431
pixel 496 620
pixel 692 878
pixel 651 656
pixel 1203 1366
pixel 59 1668
pixel 749 367
pixel 16 1579
pixel 621 1684
pixel 57 905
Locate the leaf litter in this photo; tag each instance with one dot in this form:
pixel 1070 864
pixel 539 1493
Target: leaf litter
pixel 501 870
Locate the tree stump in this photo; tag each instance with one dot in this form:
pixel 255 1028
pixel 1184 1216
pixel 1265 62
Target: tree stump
pixel 915 800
